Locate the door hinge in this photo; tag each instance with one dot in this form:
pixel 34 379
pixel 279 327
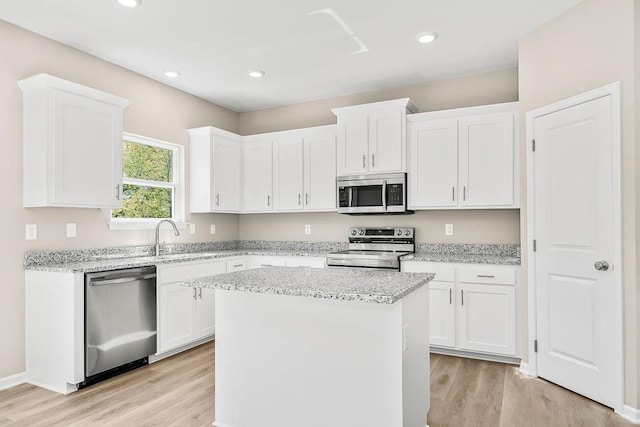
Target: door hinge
pixel 535 245
pixel 533 145
pixel 535 346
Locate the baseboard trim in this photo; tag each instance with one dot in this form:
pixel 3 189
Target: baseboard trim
pixel 157 357
pixel 473 355
pixel 525 369
pixel 13 380
pixel 631 414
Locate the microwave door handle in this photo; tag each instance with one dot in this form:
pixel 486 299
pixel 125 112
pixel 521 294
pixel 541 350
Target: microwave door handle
pixel 350 191
pixel 384 195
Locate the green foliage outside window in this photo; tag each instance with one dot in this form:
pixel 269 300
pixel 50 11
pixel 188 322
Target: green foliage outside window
pixel 143 199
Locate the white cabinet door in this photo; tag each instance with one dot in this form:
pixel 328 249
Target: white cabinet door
pixel 433 166
pixel 288 174
pixel 487 160
pixel 442 314
pixel 258 175
pixel 487 318
pixel 320 172
pixel 227 175
pixel 177 321
pixel 353 145
pixel 72 144
pixel 205 312
pixel 386 142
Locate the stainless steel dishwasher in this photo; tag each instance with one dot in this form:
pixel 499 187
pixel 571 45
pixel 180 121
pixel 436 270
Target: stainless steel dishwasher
pixel 120 321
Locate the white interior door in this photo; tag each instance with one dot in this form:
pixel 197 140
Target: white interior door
pixel 574 229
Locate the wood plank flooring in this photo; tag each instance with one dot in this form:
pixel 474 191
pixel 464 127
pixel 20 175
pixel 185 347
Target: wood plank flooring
pixel 179 392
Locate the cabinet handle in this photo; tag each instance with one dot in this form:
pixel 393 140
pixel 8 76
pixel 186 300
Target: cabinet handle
pixel 217 199
pixel 364 161
pixel 464 193
pixel 373 160
pixel 268 200
pixel 200 293
pixel 195 293
pixel 306 199
pixel 237 265
pixel 453 194
pixel 118 192
pixel 450 296
pixel 299 199
pixel 488 276
pixel 461 296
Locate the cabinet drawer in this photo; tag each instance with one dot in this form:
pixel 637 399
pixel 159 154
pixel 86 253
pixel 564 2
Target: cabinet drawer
pixel 443 272
pixel 180 272
pixel 488 274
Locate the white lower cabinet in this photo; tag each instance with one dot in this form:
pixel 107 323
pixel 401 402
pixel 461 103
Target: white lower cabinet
pixel 185 314
pixel 471 307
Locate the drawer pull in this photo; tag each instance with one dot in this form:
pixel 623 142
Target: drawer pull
pixel 461 296
pixel 238 265
pixel 450 296
pixel 488 276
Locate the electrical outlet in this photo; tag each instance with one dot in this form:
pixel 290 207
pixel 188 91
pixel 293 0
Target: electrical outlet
pixel 448 229
pixel 192 229
pixel 213 229
pixel 31 232
pixel 307 229
pixel 71 229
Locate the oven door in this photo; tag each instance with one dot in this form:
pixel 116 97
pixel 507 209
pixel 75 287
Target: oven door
pixel 362 196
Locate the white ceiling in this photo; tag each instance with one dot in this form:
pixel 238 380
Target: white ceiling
pixel 309 48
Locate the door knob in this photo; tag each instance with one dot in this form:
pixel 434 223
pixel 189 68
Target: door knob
pixel 601 265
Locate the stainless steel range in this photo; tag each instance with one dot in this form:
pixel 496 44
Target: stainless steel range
pixel 375 248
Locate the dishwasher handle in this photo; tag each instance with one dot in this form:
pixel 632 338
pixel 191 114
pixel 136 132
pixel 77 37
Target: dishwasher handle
pixel 121 280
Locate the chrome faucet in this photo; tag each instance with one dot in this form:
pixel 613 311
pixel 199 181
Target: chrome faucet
pixel 175 230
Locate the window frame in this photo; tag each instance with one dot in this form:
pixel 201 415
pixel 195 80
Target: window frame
pixel 178 205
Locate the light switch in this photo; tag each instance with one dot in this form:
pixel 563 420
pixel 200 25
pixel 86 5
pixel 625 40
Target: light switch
pixel 213 229
pixel 71 229
pixel 192 229
pixel 31 232
pixel 307 229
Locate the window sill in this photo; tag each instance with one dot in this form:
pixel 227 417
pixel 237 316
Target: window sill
pixel 141 225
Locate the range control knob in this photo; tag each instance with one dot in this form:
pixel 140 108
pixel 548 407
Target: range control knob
pixel 398 232
pixel 354 232
pixel 361 232
pixel 407 232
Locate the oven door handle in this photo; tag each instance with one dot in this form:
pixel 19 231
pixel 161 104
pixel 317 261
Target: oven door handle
pixel 384 195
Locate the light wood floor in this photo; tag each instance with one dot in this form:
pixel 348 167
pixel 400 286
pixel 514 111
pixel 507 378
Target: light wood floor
pixel 179 392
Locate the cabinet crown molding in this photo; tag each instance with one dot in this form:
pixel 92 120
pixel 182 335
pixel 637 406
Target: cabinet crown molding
pixel 47 81
pixel 406 103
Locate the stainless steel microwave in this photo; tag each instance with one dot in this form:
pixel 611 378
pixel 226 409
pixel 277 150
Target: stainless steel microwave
pixel 373 194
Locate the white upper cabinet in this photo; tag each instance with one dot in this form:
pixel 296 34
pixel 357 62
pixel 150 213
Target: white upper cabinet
pixel 216 170
pixel 303 171
pixel 371 137
pixel 257 166
pixel 486 160
pixel 465 158
pixel 320 171
pixel 433 154
pixel 72 150
pixel 288 174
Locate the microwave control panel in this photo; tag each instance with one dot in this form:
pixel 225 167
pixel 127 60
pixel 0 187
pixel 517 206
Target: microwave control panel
pixel 395 194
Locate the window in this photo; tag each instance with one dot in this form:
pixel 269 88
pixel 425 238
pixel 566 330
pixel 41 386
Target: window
pixel 150 183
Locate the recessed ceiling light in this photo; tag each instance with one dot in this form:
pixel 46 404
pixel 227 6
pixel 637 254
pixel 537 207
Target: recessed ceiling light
pixel 256 74
pixel 172 73
pixel 130 3
pixel 427 37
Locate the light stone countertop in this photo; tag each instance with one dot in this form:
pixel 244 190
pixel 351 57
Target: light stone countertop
pixel 117 263
pixel 378 287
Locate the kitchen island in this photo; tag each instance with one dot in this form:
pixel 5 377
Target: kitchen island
pixel 320 347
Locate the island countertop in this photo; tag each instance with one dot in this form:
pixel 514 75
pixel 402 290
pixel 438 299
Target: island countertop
pixel 378 287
